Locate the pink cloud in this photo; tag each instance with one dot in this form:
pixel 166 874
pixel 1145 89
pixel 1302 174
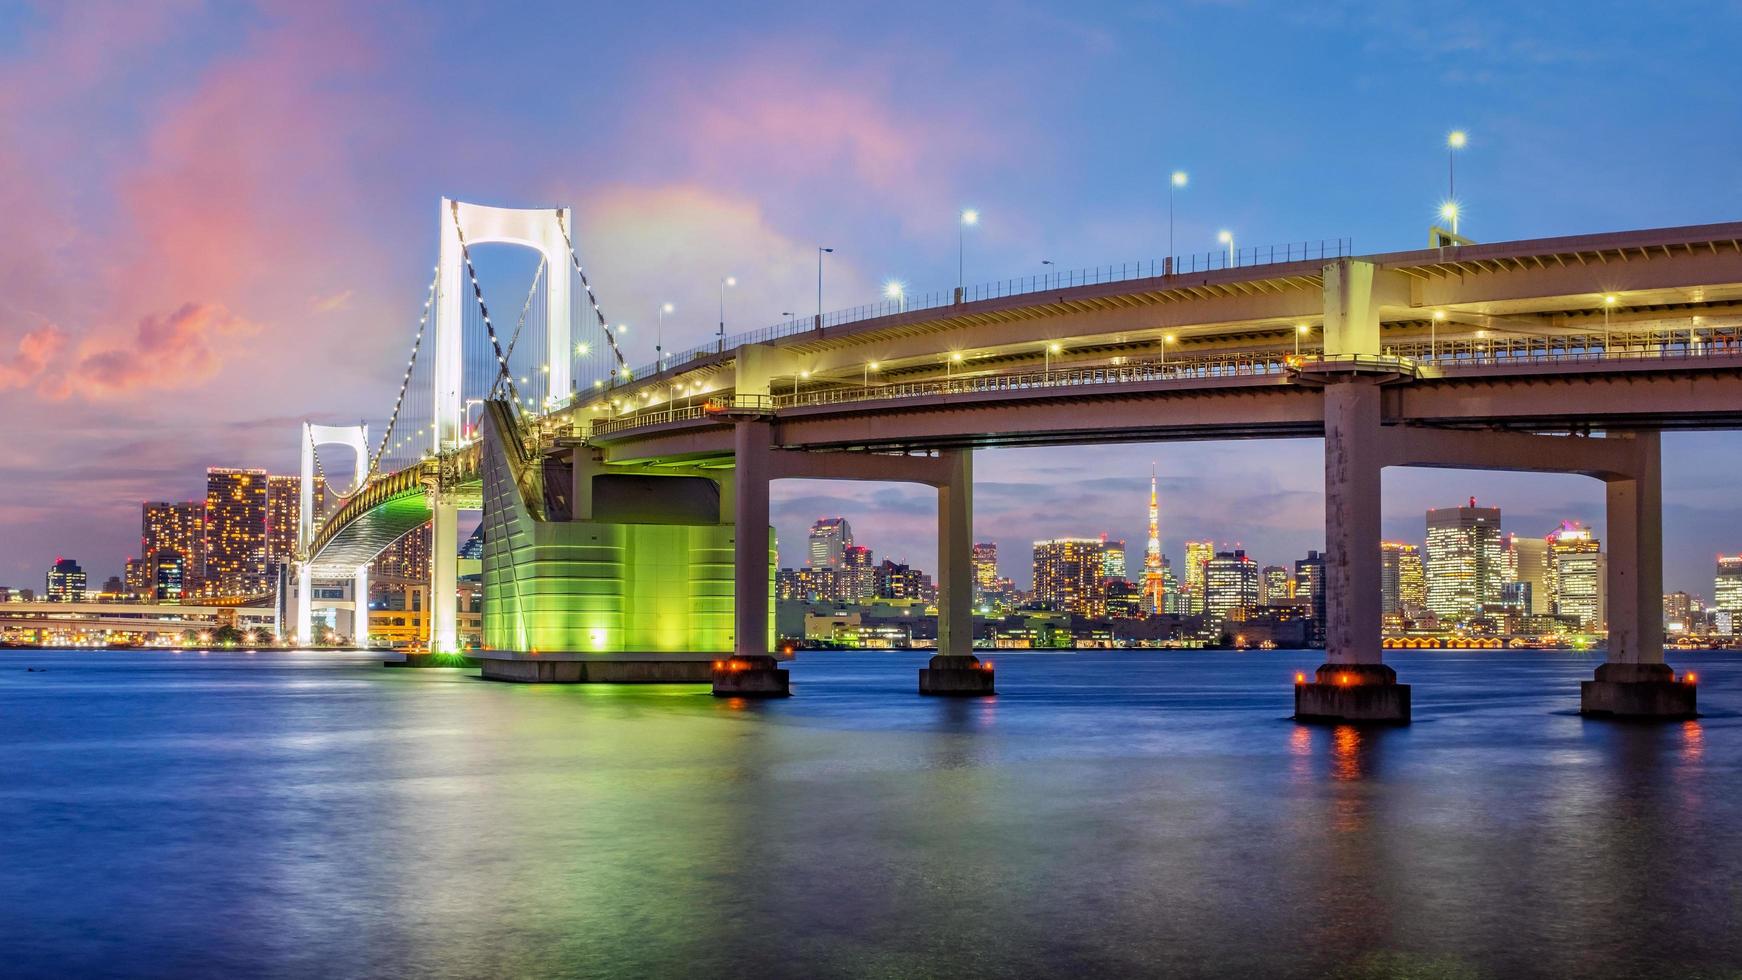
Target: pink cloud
pixel 172 350
pixel 36 351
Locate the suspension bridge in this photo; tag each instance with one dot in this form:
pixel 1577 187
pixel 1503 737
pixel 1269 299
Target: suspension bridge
pixel 612 495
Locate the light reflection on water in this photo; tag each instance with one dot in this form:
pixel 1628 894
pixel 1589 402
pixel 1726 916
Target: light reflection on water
pixel 1106 814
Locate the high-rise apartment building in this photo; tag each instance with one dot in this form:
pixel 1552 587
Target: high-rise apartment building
pixel 1230 586
pixel 1465 567
pixel 406 560
pixel 1579 575
pixel 283 513
pixel 137 574
pixel 1067 575
pixel 1198 554
pixel 859 576
pixel 235 533
pixel 1727 585
pixel 172 527
pixel 1402 585
pixel 66 582
pixel 829 540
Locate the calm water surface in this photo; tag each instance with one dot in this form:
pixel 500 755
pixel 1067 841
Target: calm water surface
pixel 295 815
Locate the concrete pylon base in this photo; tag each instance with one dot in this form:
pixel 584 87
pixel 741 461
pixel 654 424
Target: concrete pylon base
pixel 1361 694
pixel 1642 692
pixel 957 675
pixel 433 660
pixel 749 677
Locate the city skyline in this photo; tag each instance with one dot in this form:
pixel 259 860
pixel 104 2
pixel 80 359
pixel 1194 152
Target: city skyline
pixel 216 246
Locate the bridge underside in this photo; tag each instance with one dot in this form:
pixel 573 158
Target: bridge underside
pixel 362 539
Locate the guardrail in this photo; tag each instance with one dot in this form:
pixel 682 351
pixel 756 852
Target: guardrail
pixel 1215 261
pixel 1410 357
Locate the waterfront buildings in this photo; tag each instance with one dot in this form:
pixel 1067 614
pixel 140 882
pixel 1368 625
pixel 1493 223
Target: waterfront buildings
pixel 167 528
pixel 985 571
pixel 235 533
pixel 1112 558
pixel 1402 580
pixel 829 539
pixel 1230 586
pixel 1275 586
pixel 66 581
pixel 1527 565
pixel 1067 575
pixel 1727 586
pixel 284 513
pixel 1198 554
pixel 1578 575
pixel 1464 568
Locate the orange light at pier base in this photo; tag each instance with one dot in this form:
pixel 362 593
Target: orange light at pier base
pixel 1690 677
pixel 1342 678
pixel 1300 678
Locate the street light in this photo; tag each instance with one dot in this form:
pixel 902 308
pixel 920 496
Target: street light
pixel 1449 212
pixel 895 290
pixel 1227 238
pixel 821 251
pixel 1176 181
pixel 969 217
pixel 659 339
pixel 1608 303
pixel 728 281
pixel 955 359
pixel 869 367
pixel 1165 340
pixel 1049 262
pixel 1051 349
pixel 1300 330
pixel 1455 141
pixel 1433 334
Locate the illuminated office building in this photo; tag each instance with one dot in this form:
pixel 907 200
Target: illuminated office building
pixel 985 571
pixel 829 540
pixel 1464 566
pixel 1112 559
pixel 1067 575
pixel 1230 586
pixel 235 559
pixel 1727 585
pixel 1198 554
pixel 66 581
pixel 1580 574
pixel 168 577
pixel 1527 564
pixel 1402 586
pixel 1273 586
pixel 1309 591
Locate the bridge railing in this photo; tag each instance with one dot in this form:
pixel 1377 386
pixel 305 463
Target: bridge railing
pixel 1047 281
pixel 1691 342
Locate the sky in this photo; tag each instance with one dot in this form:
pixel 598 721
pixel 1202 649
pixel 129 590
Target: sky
pixel 220 218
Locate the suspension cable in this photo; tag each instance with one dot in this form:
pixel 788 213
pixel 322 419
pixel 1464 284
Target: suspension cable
pixel 405 382
pixel 503 375
pixel 537 277
pixel 574 259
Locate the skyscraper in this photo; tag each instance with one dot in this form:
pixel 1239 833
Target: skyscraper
pixel 858 576
pixel 1580 574
pixel 177 528
pixel 1112 558
pixel 1273 586
pixel 1727 585
pixel 1198 553
pixel 830 537
pixel 985 570
pixel 1464 563
pixel 1529 567
pixel 66 582
pixel 1309 590
pixel 283 512
pixel 1400 578
pixel 1230 586
pixel 235 537
pixel 1154 583
pixel 1067 575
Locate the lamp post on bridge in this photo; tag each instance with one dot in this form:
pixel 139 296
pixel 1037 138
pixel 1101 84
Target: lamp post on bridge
pixel 821 251
pixel 1175 181
pixel 1227 238
pixel 970 217
pixel 1608 304
pixel 727 281
pixel 659 339
pixel 1054 267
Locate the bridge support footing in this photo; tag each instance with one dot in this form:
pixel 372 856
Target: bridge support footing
pixel 433 660
pixel 749 677
pixel 1641 692
pixel 957 675
pixel 585 669
pixel 1360 694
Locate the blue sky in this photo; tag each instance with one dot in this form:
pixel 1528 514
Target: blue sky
pixel 224 214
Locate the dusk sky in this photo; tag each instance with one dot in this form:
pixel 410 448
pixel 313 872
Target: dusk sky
pixel 220 218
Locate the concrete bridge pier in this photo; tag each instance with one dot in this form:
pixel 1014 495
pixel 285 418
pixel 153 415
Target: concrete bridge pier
pixel 751 671
pixel 1635 682
pixel 955 671
pixel 1354 684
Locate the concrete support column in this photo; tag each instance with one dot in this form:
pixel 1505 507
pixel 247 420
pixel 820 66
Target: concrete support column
pixel 956 555
pixel 444 560
pixel 360 607
pixel 750 671
pixel 955 670
pixel 1353 463
pixel 1354 684
pixel 1635 569
pixel 305 614
pixel 1635 682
